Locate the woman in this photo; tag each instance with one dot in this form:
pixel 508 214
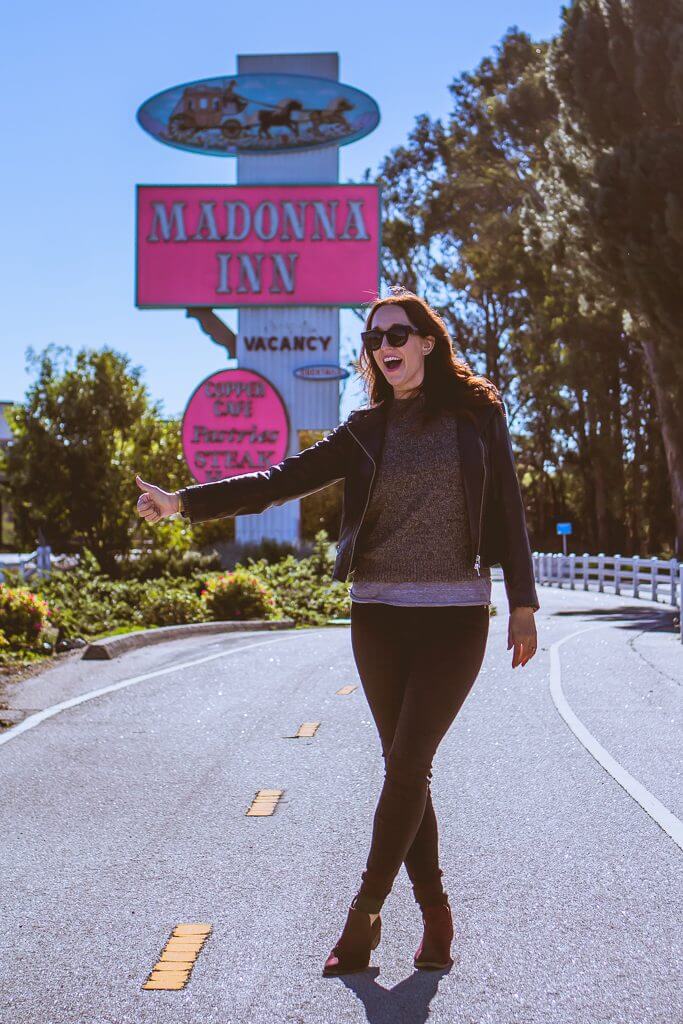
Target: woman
pixel 431 501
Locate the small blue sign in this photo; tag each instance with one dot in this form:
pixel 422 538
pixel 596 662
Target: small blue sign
pixel 321 371
pixel 564 528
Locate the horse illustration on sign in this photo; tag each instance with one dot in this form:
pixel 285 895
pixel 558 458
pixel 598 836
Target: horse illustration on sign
pixel 258 113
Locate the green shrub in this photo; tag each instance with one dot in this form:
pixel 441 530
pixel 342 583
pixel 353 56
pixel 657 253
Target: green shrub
pixel 166 605
pixel 237 595
pixel 23 615
pixel 159 562
pixel 13 577
pixel 268 549
pixel 87 603
pixel 304 589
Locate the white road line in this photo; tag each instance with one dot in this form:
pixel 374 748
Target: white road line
pixel 650 804
pixel 40 716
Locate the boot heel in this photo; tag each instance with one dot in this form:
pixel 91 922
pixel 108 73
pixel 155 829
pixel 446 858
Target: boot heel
pixel 434 952
pixel 351 952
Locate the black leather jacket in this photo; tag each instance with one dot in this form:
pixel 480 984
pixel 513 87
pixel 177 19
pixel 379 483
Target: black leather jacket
pixel 351 452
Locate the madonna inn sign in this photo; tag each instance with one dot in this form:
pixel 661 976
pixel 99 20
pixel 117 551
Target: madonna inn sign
pixel 257 245
pixel 283 244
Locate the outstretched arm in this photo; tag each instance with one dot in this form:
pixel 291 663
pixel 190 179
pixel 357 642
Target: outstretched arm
pixel 315 467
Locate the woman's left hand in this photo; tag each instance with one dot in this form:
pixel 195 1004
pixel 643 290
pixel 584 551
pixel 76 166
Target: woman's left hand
pixel 522 634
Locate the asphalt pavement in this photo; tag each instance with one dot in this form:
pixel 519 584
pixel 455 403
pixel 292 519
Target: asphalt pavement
pixel 124 814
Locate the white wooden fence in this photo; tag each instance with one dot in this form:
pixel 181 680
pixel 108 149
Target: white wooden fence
pixel 655 579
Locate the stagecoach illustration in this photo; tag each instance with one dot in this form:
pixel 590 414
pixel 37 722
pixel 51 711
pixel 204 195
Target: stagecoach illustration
pixel 206 106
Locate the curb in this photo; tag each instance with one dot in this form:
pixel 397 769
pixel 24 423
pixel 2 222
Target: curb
pixel 111 647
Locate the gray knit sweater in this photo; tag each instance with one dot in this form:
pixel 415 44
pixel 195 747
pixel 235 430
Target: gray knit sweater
pixel 414 547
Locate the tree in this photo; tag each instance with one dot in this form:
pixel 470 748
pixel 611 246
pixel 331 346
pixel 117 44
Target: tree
pixel 79 438
pixel 453 197
pixel 616 69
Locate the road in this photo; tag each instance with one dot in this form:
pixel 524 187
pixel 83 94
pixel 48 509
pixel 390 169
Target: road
pixel 125 815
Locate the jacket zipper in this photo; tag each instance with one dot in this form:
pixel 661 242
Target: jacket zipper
pixel 477 559
pixel 374 469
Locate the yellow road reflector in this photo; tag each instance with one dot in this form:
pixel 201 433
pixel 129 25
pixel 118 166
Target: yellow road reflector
pixel 307 729
pixel 191 929
pixel 157 975
pixel 264 802
pixel 183 955
pixel 174 966
pixel 347 689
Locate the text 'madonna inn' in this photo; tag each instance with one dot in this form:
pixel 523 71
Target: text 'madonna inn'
pixel 250 245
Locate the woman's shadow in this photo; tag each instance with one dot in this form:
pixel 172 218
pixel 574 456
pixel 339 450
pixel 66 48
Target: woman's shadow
pixel 408 1002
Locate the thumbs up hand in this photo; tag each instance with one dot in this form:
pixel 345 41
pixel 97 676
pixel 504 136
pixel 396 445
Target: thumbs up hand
pixel 154 503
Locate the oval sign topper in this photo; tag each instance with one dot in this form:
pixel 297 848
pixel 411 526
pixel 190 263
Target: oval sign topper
pixel 264 113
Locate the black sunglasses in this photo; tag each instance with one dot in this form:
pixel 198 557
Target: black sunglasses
pixel 397 335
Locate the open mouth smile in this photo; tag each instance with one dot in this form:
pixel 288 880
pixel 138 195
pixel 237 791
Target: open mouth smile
pixel 392 362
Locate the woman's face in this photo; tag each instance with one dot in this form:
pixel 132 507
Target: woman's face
pixel 403 367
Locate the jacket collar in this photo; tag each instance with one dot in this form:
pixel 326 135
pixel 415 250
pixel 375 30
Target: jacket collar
pixel 368 426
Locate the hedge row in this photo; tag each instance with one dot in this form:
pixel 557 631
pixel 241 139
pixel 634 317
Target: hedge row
pixel 84 603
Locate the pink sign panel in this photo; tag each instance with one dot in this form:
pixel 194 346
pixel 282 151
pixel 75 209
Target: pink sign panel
pixel 257 245
pixel 235 422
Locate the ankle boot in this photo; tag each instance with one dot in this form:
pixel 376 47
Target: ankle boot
pixel 352 950
pixel 435 949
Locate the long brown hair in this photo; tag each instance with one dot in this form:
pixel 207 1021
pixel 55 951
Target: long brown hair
pixel 449 382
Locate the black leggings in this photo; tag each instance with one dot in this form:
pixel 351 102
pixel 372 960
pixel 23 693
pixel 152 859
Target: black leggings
pixel 417 665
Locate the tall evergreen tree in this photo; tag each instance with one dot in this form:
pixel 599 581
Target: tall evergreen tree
pixel 617 181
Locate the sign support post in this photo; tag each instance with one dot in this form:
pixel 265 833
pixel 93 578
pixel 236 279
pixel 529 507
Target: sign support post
pixel 313 405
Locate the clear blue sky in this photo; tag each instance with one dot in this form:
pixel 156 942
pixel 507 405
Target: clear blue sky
pixel 73 75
